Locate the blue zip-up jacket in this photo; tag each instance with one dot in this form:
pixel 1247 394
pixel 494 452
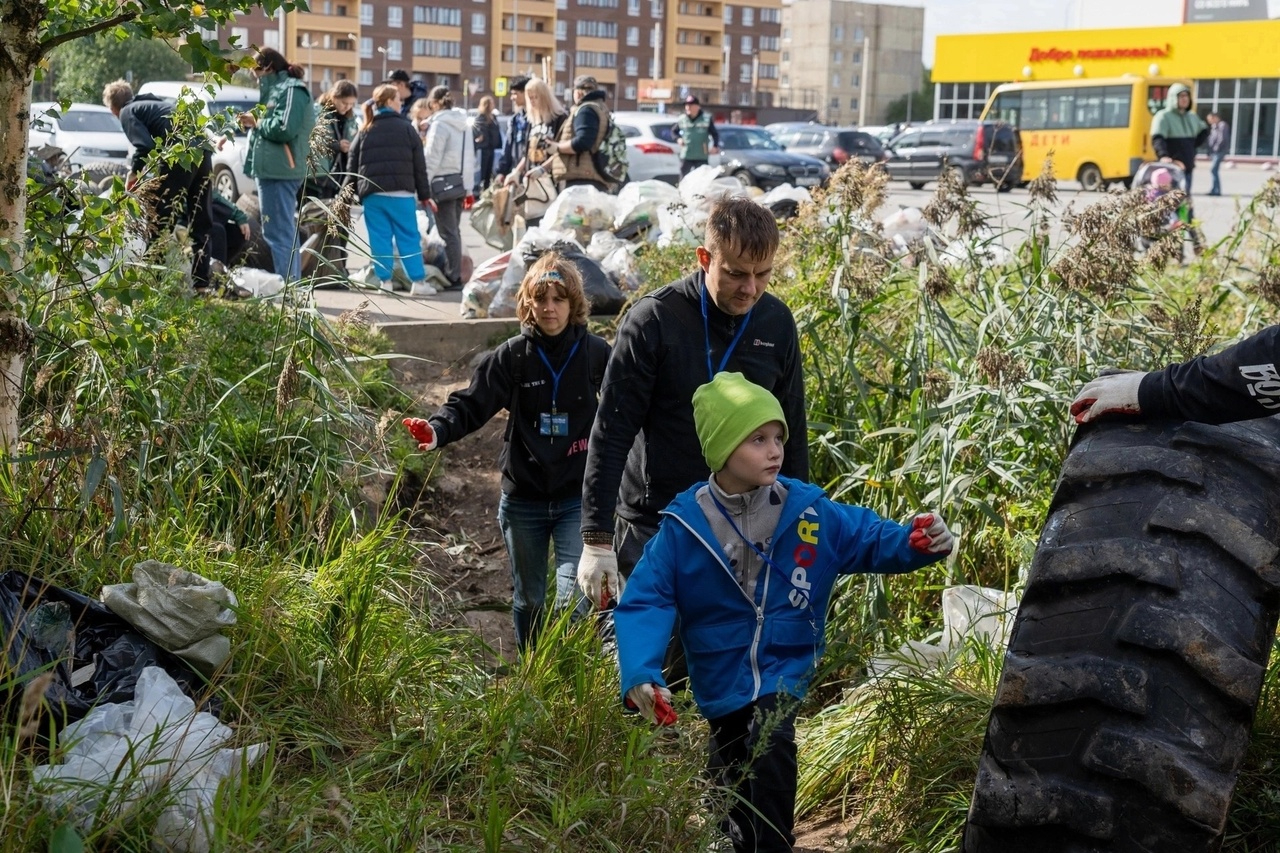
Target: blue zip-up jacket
pixel 739 649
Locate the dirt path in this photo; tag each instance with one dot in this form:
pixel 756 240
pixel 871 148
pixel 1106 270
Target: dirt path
pixel 459 511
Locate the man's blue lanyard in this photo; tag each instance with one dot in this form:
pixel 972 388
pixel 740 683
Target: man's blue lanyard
pixel 762 555
pixel 556 374
pixel 706 330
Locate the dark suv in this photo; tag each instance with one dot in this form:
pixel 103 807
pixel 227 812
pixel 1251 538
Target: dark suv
pixel 981 152
pixel 835 146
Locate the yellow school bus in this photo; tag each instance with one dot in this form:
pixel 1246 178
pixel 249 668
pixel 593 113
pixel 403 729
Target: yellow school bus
pixel 1098 130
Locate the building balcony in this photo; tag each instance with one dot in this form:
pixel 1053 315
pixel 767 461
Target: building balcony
pixel 709 53
pixel 597 44
pixel 711 23
pixel 329 23
pixel 435 31
pixel 437 64
pixel 535 8
pixel 319 56
pixel 529 38
pixel 697 81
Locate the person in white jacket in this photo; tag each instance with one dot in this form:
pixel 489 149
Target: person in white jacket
pixel 450 152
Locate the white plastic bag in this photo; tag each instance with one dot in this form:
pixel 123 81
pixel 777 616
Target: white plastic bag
pixel 582 210
pixel 485 281
pixel 638 203
pixel 602 243
pixel 156 744
pixel 258 283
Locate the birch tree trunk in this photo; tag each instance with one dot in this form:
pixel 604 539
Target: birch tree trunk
pixel 20 51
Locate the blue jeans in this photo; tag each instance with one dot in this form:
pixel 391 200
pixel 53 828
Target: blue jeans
pixel 529 528
pixel 278 200
pixel 394 220
pixel 1216 188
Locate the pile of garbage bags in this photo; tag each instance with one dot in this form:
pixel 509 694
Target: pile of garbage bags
pixel 602 234
pixel 130 724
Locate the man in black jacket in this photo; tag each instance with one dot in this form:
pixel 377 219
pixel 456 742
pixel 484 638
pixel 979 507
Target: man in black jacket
pixel 181 198
pixel 410 89
pixel 644 449
pixel 518 134
pixel 1237 384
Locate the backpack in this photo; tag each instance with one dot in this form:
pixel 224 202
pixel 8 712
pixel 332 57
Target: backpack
pixel 611 157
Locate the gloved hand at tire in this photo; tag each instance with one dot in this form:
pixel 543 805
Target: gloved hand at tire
pixel 930 535
pixel 1110 394
pixel 653 701
pixel 422 433
pixel 598 575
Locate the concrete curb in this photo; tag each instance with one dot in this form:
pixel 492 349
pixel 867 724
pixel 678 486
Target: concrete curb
pixel 447 342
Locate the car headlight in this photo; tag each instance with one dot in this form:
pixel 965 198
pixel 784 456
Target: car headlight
pixel 769 169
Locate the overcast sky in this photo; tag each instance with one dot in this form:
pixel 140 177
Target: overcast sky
pixel 992 16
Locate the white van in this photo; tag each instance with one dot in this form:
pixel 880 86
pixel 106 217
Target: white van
pixel 228 161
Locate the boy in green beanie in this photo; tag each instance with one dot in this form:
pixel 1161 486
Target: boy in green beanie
pixel 748 561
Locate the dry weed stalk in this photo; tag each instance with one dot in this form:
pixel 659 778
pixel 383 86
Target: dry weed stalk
pixel 858 190
pixel 287 385
pixel 29 710
pixel 999 367
pixel 1103 260
pixel 1044 187
pixel 951 201
pixel 937 282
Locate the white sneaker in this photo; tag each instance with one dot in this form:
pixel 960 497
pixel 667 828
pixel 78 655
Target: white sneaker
pixel 389 285
pixel 422 288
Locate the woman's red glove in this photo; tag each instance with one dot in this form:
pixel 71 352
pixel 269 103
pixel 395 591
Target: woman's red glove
pixel 422 433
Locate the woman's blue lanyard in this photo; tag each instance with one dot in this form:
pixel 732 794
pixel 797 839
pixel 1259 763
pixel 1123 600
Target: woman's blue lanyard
pixel 763 556
pixel 706 330
pixel 556 374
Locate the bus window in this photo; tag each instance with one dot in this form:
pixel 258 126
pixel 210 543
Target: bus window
pixel 1088 108
pixel 1115 106
pixel 1155 98
pixel 1035 110
pixel 1007 108
pixel 1062 106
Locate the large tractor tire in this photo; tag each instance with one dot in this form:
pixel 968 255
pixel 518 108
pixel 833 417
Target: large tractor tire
pixel 1138 652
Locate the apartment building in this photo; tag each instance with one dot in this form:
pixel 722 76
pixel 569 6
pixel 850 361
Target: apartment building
pixel 721 52
pixel 849 60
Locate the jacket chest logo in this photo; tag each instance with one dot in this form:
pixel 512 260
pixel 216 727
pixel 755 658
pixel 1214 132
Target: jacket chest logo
pixel 804 556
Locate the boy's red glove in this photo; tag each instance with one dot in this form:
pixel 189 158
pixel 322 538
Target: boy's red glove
pixel 422 433
pixel 653 702
pixel 929 534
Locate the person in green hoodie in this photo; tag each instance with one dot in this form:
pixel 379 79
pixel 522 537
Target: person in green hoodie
pixel 1176 133
pixel 279 142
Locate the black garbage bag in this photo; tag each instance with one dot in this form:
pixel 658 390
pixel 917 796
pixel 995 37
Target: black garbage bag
pixel 94 655
pixel 603 295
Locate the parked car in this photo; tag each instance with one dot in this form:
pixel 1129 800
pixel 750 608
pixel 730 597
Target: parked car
pixel 88 133
pixel 755 158
pixel 883 132
pixel 784 126
pixel 978 152
pixel 652 152
pixel 222 105
pixel 834 146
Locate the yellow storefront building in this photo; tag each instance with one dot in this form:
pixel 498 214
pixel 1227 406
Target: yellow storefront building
pixel 1235 68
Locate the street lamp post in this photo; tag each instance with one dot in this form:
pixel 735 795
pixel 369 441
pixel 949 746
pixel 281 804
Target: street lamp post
pixel 355 40
pixel 308 44
pixel 382 50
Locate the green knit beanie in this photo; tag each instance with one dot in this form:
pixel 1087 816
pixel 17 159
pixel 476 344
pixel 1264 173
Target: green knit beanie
pixel 728 409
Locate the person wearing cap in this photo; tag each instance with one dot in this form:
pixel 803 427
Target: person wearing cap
pixel 745 563
pixel 409 88
pixel 279 142
pixel 644 448
pixel 518 132
pixel 581 137
pixel 696 132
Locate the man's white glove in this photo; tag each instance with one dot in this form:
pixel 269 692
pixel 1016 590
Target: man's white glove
pixel 646 700
pixel 929 534
pixel 598 575
pixel 1112 394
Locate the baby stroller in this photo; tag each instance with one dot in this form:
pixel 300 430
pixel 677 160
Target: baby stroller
pixel 1158 179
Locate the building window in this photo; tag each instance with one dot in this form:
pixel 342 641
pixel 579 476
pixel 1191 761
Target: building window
pixel 271 38
pixel 596 59
pixel 477 54
pixel 366 47
pixel 629 93
pixel 786 56
pixel 785 82
pixel 633 36
pixel 633 66
pixel 395 17
pixel 655 9
pixel 853 104
pixel 835 81
pixel 837 34
pixel 562 60
pixel 478 23
pixel 366 14
pixel 562 29
pixel 633 8
pixel 771 16
pixel 744 72
pixel 745 99
pixel 746 46
pixel 598 29
pixel 786 34
pixel 653 37
pixel 857 35
pixel 240 36
pixel 748 16
pixel 366 76
pixel 837 57
pixel 434 47
pixel 769 43
pixel 606 4
pixel 562 4
pixel 857 81
pixel 439 17
pixel 835 104
pixel 768 72
pixel 395 49
pixel 728 14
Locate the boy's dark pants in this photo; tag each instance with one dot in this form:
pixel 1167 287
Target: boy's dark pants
pixel 762 812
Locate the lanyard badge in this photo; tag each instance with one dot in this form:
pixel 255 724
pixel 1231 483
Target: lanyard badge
pixel 555 423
